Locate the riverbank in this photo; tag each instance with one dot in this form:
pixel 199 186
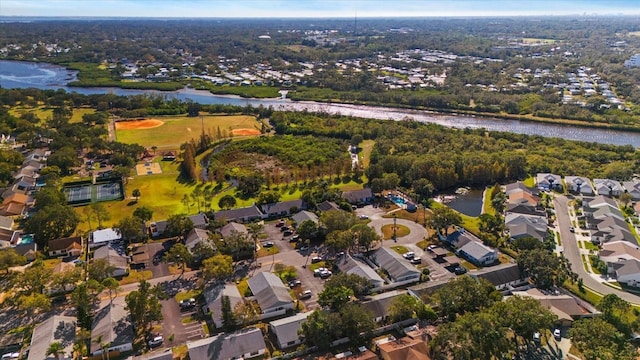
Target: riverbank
pixel 95 76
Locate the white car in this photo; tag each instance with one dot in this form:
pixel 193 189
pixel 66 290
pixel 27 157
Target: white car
pixel 557 334
pixel 156 341
pixel 409 255
pixel 363 217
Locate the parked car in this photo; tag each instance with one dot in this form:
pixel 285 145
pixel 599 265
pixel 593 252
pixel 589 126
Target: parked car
pixel 416 261
pixel 409 255
pixel 316 259
pixel 363 217
pixel 536 337
pixel 305 295
pixel 284 228
pixel 431 247
pixel 317 271
pixel 287 233
pixel 294 283
pixel 304 248
pixel 267 244
pixel 280 223
pixel 572 229
pixel 295 237
pixel 187 304
pixel 155 342
pixel 557 334
pixel 459 270
pixel 325 274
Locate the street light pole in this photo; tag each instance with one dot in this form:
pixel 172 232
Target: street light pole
pixel 394 228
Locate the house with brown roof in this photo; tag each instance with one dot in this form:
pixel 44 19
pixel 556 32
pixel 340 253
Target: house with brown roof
pixel 404 349
pixel 15 204
pixel 568 308
pixel 63 247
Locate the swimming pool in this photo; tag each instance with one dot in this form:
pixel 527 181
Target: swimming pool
pixel 25 239
pixel 400 201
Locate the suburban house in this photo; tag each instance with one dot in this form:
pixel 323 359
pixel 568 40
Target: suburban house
pixel 303 216
pixel 111 324
pixel 470 247
pixel 6 222
pixel 9 237
pixel 616 251
pixel 15 204
pixel 568 308
pixel 478 253
pixel 524 208
pixel 357 197
pixel 519 187
pixel 627 271
pixel 348 264
pixel 119 262
pixel 524 225
pixel 63 247
pixel 232 227
pixel 200 221
pixel 579 185
pixel 398 268
pixel 327 206
pixel 195 237
pixel 503 276
pixel 270 293
pixel 546 181
pixel 379 305
pixel 61 268
pixel 608 187
pixel 286 330
pixel 104 237
pixel 28 250
pixel 633 188
pixel 213 297
pixel 157 228
pixel 523 198
pixel 605 221
pixel 247 343
pixel 283 208
pixel 245 215
pixel 57 328
pixel 404 348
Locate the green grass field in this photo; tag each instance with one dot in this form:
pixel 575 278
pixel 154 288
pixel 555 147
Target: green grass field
pixel 177 130
pixel 44 113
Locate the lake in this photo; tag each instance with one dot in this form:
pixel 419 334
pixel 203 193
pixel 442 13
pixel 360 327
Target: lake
pixel 18 74
pixel 469 203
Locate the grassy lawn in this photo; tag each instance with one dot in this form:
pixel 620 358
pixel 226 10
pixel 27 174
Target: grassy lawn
pixel 316 265
pixel 468 222
pixel 590 246
pixel 263 251
pixel 387 231
pixel 400 249
pixel 136 276
pixel 180 352
pixel 420 216
pixel 365 154
pixel 243 287
pixel 558 239
pixel 177 130
pixel 588 295
pixel 422 244
pixel 486 203
pixel 51 263
pixel 468 265
pixel 504 259
pixel 187 320
pixel 183 295
pixel 44 113
pixel 530 182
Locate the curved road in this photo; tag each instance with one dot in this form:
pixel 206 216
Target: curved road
pixel 572 253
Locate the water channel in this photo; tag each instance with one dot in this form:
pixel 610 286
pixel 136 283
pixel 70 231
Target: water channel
pixel 16 74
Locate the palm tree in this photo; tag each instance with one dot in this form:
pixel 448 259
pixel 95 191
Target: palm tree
pixel 56 349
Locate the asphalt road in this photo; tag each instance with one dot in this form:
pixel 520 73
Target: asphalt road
pixel 572 253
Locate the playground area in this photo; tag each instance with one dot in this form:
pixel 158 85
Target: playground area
pixel 85 192
pixel 148 168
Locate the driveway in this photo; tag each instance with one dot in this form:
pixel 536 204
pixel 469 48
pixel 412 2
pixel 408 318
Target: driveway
pixel 172 324
pixel 572 253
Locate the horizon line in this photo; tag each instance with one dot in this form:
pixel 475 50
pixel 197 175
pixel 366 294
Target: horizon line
pixel 318 17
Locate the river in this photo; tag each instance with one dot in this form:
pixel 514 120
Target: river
pixel 17 74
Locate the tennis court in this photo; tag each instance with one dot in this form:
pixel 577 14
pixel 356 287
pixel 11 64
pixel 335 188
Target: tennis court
pixel 106 192
pixel 78 194
pixel 82 193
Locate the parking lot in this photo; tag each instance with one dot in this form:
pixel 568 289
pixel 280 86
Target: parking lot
pixel 173 325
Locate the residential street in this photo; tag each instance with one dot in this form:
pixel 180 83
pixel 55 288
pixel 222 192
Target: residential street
pixel 572 253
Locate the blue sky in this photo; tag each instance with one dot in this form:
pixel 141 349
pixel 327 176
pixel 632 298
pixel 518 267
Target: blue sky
pixel 314 8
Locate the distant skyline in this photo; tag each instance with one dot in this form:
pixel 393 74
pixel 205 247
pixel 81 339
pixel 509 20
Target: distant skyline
pixel 314 8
